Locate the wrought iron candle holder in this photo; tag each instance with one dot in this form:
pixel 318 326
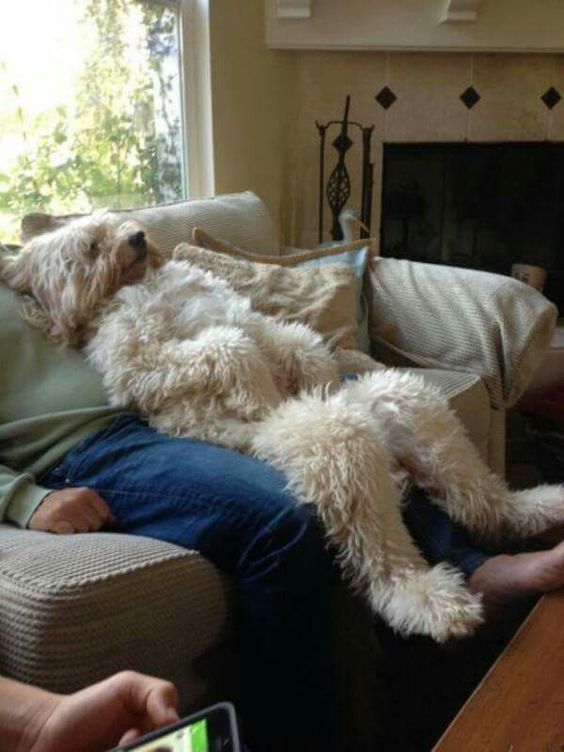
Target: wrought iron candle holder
pixel 338 189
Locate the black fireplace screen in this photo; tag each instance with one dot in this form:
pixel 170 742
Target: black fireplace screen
pixel 482 206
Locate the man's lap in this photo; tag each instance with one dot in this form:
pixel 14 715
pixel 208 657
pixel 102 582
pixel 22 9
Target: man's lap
pixel 214 499
pixel 180 490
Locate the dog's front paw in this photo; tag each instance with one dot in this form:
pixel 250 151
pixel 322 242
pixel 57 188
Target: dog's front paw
pixel 432 602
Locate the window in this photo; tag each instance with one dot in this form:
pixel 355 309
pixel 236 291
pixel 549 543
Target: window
pixel 92 112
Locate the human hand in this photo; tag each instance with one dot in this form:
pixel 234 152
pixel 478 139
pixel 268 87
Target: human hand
pixel 71 510
pixel 114 711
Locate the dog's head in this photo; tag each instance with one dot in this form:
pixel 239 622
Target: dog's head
pixel 66 274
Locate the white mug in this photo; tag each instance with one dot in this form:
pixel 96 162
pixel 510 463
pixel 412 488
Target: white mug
pixel 531 275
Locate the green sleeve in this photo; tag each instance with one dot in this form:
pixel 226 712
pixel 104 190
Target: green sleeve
pixel 19 496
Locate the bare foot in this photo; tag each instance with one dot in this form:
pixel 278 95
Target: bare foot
pixel 504 579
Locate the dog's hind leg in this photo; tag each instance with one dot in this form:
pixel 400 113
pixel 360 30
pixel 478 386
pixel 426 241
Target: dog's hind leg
pixel 334 460
pixel 426 436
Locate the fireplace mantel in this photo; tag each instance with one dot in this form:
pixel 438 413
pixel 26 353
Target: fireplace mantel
pixel 452 25
pixel 460 10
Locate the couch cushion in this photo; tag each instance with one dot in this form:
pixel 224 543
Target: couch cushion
pixel 77 608
pixel 468 397
pixel 324 298
pixel 242 218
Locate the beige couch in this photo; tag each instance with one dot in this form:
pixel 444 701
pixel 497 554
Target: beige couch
pixel 74 609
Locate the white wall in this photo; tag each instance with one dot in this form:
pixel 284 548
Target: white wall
pixel 253 100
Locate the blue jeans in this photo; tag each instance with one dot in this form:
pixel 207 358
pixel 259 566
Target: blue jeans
pixel 438 537
pixel 236 511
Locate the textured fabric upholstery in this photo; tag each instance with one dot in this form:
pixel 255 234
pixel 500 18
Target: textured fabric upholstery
pixel 461 320
pixel 468 397
pixel 480 324
pixel 241 217
pixel 77 608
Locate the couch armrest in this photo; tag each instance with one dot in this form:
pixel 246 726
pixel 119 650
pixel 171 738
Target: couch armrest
pixel 445 317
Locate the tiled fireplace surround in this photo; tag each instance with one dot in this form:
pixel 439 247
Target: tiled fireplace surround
pixel 518 102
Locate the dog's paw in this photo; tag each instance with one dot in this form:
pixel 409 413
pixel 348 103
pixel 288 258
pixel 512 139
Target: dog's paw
pixel 433 602
pixel 535 510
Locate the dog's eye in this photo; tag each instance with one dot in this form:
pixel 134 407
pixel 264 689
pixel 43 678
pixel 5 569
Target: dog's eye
pixel 93 250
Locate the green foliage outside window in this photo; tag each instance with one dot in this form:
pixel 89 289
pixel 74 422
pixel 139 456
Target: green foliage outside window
pixel 119 142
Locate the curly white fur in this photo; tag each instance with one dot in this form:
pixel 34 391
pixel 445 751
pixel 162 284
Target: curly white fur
pixel 189 353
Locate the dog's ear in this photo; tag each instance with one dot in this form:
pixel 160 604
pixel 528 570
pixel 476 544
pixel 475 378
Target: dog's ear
pixel 15 270
pixel 51 309
pixel 68 309
pixel 36 316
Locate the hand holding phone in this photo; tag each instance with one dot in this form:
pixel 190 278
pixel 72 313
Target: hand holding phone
pixel 213 729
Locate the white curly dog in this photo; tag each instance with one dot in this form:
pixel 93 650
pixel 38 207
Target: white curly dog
pixel 185 350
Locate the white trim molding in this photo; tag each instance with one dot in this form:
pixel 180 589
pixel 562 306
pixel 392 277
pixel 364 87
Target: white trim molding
pixel 293 9
pixel 460 10
pixel 197 99
pixel 447 25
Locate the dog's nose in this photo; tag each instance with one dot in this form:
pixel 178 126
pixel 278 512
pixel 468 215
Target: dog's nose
pixel 137 239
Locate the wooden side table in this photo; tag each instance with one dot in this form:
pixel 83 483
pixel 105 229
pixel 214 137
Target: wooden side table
pixel 519 705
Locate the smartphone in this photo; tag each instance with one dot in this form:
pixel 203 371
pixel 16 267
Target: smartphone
pixel 213 729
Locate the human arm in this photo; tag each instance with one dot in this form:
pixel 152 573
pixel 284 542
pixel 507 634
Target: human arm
pixel 70 510
pixel 94 719
pixel 19 496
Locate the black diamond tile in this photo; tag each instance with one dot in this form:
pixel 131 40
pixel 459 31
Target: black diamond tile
pixel 342 143
pixel 551 97
pixel 470 97
pixel 385 97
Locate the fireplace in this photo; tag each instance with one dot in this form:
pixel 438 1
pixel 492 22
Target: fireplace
pixel 482 206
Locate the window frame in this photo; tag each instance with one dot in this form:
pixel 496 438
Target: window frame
pixel 196 99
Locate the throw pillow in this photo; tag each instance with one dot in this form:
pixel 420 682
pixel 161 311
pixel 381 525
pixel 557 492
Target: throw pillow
pixel 323 298
pixel 355 255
